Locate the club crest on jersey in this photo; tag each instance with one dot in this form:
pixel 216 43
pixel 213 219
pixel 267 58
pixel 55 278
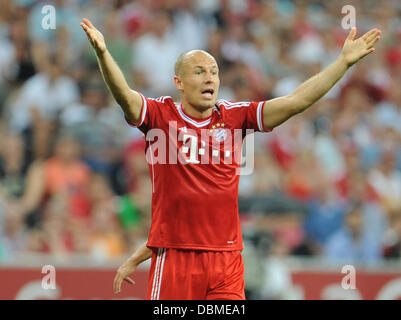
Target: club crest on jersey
pixel 218 132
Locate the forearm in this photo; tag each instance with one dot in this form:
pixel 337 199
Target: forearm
pixel 316 87
pixel 34 187
pixel 140 255
pixel 114 79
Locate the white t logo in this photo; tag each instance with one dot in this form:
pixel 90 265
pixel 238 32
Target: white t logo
pixel 192 148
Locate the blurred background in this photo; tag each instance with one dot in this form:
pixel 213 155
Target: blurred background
pixel 74 183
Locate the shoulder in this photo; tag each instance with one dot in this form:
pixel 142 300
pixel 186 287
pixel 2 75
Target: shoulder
pixel 228 105
pixel 163 102
pixel 161 105
pixel 248 111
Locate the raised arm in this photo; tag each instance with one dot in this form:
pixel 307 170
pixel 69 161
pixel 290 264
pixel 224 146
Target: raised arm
pixel 278 110
pixel 129 100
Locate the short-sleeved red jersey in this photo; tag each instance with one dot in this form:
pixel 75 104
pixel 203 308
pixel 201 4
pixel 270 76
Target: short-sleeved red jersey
pixel 195 199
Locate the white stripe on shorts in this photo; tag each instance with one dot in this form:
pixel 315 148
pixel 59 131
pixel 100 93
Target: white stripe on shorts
pixel 157 277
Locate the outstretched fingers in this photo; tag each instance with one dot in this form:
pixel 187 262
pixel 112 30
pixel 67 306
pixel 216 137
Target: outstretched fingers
pixel 372 37
pixel 88 32
pixel 370 34
pixel 352 34
pixel 84 26
pixel 372 42
pixel 88 23
pixel 370 50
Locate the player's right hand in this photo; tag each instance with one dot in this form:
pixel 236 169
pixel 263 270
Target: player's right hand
pixel 95 36
pixel 123 274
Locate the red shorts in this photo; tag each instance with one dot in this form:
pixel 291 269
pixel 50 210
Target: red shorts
pixel 196 275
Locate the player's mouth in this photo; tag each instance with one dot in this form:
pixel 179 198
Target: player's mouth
pixel 208 93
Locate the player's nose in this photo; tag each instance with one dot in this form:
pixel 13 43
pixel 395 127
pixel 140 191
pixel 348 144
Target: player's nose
pixel 209 78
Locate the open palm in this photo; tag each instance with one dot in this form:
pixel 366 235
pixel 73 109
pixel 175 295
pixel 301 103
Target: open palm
pixel 95 36
pixel 356 49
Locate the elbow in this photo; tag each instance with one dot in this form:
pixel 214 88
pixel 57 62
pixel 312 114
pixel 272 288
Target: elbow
pixel 121 96
pixel 122 100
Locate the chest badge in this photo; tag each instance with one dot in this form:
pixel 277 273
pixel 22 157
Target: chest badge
pixel 218 132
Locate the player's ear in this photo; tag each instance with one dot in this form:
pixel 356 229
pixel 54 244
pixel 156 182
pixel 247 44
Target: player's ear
pixel 178 83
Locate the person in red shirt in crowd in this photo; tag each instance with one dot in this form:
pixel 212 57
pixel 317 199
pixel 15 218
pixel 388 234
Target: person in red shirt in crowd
pixel 195 237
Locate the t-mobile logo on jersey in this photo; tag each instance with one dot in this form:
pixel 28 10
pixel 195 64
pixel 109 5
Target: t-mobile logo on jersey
pixel 217 146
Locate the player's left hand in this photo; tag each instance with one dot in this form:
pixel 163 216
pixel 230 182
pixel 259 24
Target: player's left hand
pixel 123 275
pixel 355 49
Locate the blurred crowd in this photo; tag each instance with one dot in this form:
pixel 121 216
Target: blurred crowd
pixel 73 175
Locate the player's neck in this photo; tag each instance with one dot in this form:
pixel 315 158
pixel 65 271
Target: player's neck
pixel 196 113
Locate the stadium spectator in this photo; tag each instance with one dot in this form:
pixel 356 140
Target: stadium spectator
pixel 45 94
pixel 54 236
pixel 147 61
pixel 13 233
pixel 95 124
pixel 276 282
pixel 13 165
pixel 386 181
pixel 62 174
pixel 352 243
pixel 64 40
pixel 325 216
pixel 392 244
pixel 16 53
pixel 105 240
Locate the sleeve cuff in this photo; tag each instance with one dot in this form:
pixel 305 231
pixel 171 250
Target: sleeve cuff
pixel 259 117
pixel 143 113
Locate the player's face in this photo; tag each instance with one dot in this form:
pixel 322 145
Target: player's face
pixel 200 81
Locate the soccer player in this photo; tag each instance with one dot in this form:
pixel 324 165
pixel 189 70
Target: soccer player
pixel 195 238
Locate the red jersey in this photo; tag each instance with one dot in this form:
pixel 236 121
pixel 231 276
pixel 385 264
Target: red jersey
pixel 195 185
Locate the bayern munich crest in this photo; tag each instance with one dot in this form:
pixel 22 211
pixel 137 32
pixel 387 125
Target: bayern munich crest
pixel 218 132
